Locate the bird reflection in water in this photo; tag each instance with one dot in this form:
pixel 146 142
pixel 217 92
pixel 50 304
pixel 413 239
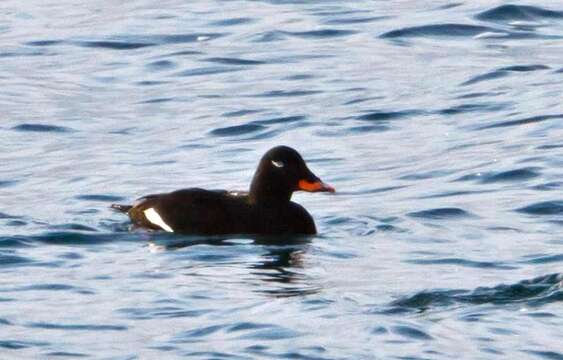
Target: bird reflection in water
pixel 280 268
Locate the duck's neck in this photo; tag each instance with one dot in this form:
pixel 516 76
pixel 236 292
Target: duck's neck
pixel 266 189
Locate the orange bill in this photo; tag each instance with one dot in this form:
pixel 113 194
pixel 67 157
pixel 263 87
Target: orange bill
pixel 314 186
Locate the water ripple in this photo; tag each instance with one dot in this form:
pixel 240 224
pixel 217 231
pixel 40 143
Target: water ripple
pixel 42 128
pixel 534 292
pixel 503 72
pixel 543 208
pixel 441 214
pixel 463 262
pixel 525 121
pixel 511 13
pixel 320 34
pixel 79 327
pixel 445 30
pixel 515 175
pixel 234 61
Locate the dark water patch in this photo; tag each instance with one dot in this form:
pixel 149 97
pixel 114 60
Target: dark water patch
pixel 132 42
pixel 151 82
pixel 72 227
pixel 477 95
pixel 16 223
pixel 168 312
pixel 468 108
pixel 438 30
pixel 14 241
pixel 81 238
pixel 510 176
pixel 269 333
pixel 541 315
pixel 299 77
pixel 549 355
pixel 234 61
pixel 354 20
pixel 503 72
pixel 25 52
pixel 550 147
pixel 43 43
pixel 50 287
pixel 183 38
pixel 525 68
pixel 237 130
pixel 554 185
pixel 441 214
pixel 270 36
pixel 449 6
pixel 215 355
pixel 10 260
pixel 71 256
pixel 157 100
pixel 240 113
pixel 485 77
pixel 18 344
pixel 73 327
pixel 367 129
pixel 525 121
pixel 510 13
pixel 204 71
pixel 8 216
pixel 411 332
pixel 99 197
pixel 320 34
pixel 544 259
pixel 182 53
pixel 535 292
pixel 67 354
pixel 5 184
pixel 196 334
pixel 374 190
pixel 515 175
pixel 161 65
pixel 426 175
pixel 290 93
pixel 361 100
pixel 42 128
pixel 280 120
pixel 360 227
pixel 232 21
pixel 554 207
pixel 463 262
pixel 386 115
pixel 112 44
pixel 245 326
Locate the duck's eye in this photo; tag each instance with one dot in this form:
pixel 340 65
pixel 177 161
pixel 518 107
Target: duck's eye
pixel 278 164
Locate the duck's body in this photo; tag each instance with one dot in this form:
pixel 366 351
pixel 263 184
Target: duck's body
pixel 218 212
pixel 266 209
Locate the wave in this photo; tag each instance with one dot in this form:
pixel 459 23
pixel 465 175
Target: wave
pixel 535 292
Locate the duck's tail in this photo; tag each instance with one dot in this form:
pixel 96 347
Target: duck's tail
pixel 122 208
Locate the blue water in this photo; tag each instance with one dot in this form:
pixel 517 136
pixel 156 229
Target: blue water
pixel 439 123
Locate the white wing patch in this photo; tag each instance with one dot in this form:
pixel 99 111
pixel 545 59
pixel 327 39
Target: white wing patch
pixel 154 218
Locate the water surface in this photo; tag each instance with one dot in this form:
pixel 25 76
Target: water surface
pixel 439 125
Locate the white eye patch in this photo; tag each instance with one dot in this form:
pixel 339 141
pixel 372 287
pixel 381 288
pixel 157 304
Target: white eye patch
pixel 278 164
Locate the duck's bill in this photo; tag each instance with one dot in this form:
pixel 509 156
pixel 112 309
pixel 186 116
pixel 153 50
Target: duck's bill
pixel 315 186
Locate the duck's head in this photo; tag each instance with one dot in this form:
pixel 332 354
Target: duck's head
pixel 282 171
